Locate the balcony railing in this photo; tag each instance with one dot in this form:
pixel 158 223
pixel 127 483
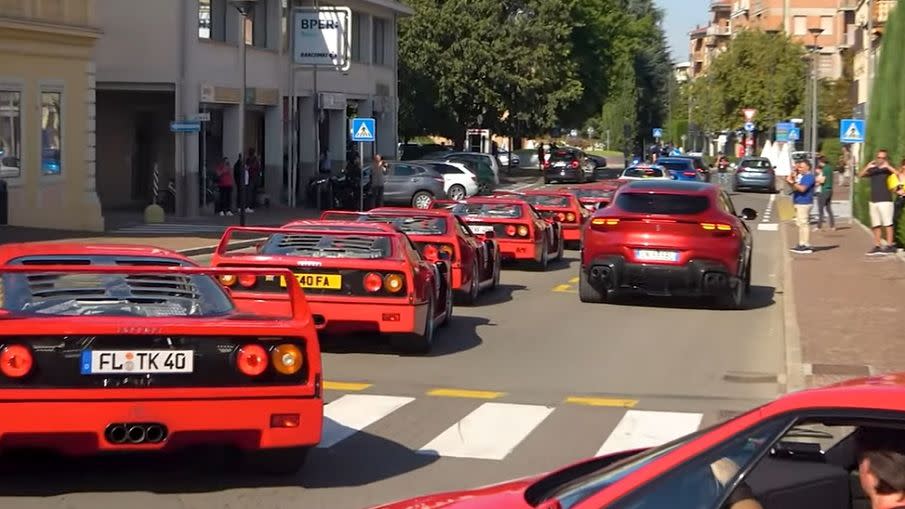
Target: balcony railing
pixel 61 12
pixel 881 10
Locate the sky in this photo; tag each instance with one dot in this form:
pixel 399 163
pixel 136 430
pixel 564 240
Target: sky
pixel 680 17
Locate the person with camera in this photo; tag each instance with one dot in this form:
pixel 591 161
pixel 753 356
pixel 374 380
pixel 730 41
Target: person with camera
pixel 803 183
pixel 896 184
pixel 880 204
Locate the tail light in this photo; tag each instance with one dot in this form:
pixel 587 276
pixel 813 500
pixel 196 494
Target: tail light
pixel 228 280
pixel 601 223
pixel 393 283
pixel 373 282
pixel 439 179
pixel 718 228
pixel 474 178
pixel 523 231
pixel 431 253
pixel 287 359
pixel 247 280
pixel 510 230
pixel 690 174
pixel 570 217
pixel 561 217
pixel 574 164
pixel 251 360
pixel 16 361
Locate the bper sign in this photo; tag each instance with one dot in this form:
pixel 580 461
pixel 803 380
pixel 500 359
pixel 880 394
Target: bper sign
pixel 322 37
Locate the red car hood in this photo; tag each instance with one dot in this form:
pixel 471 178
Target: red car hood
pixel 509 495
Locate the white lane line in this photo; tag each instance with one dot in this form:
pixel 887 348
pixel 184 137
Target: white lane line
pixel 354 412
pixel 768 227
pixel 490 432
pixel 640 428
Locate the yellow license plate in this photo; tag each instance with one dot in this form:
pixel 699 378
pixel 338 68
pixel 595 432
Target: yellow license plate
pixel 321 281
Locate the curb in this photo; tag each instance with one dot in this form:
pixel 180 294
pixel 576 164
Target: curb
pixel 795 379
pixel 899 254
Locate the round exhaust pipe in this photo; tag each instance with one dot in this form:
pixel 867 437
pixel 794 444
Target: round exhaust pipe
pixel 596 273
pixel 116 433
pixel 136 434
pixel 155 434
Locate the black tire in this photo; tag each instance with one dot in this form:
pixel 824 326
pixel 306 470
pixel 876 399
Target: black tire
pixel 587 292
pixel 417 343
pixel 422 197
pixel 470 298
pixel 544 262
pixel 456 192
pixel 449 305
pixel 484 188
pixel 734 297
pixel 748 278
pixel 497 269
pixel 546 181
pixel 277 461
pixel 561 247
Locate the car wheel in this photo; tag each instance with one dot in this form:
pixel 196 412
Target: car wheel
pixel 457 193
pixel 474 290
pixel 449 306
pixel 484 188
pixel 544 262
pixel 748 278
pixel 277 461
pixel 734 296
pixel 588 292
pixel 546 181
pixel 417 343
pixel 561 248
pixel 422 200
pixel 497 269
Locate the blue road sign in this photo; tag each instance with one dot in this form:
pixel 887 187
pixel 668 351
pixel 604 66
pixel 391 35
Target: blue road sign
pixel 363 129
pixel 851 130
pixel 185 126
pixel 658 133
pixel 782 131
pixel 794 134
pixel 749 126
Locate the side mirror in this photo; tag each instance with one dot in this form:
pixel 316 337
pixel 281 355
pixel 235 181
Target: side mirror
pixel 748 214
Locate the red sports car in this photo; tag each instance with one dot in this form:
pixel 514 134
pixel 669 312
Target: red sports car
pixel 440 234
pixel 824 448
pixel 665 237
pixel 562 207
pixel 111 348
pixel 357 278
pixel 519 229
pixel 594 196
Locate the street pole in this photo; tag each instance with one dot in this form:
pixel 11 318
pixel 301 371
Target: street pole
pixel 814 106
pixel 243 176
pixel 204 160
pixel 361 176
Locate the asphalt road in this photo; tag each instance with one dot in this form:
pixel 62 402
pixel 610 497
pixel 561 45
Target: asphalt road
pixel 527 380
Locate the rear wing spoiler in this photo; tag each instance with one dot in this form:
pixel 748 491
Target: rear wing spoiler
pixel 444 204
pixel 298 304
pixel 266 232
pixel 334 215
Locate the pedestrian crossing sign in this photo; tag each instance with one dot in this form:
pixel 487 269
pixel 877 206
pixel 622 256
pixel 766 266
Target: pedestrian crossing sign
pixel 363 129
pixel 851 130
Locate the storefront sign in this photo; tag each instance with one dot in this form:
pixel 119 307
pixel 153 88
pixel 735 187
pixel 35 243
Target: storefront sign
pixel 322 37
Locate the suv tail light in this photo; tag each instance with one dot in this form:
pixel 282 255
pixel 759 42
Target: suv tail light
pixel 719 229
pixel 604 223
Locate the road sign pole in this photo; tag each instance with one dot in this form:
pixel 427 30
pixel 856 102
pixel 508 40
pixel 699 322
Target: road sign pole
pixel 361 178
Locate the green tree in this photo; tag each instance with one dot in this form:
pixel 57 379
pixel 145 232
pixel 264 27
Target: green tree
pixel 758 70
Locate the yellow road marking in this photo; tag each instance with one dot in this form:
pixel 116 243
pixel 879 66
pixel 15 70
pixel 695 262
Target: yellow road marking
pixel 345 386
pixel 563 288
pixel 574 280
pixel 610 402
pixel 465 393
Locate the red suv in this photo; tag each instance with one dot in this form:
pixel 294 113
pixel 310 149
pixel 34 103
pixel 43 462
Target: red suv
pixel 666 238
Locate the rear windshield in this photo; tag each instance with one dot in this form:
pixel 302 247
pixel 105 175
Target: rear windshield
pixel 759 164
pixel 677 166
pixel 607 173
pixel 111 294
pixel 423 225
pixel 489 210
pixel 329 245
pixel 643 172
pixel 547 200
pixel 671 204
pixel 562 155
pixel 594 193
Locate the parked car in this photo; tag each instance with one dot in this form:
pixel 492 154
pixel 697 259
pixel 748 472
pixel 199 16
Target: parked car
pixel 700 165
pixel 413 151
pixel 488 159
pixel 679 168
pixel 508 159
pixel 460 183
pixel 410 184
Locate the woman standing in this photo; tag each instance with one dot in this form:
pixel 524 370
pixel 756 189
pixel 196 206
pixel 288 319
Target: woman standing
pixel 225 184
pixel 896 184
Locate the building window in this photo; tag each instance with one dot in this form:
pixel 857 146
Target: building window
pixel 358 35
pixel 825 66
pixel 379 41
pixel 10 134
pixel 826 23
pixel 800 25
pixel 51 132
pixel 258 30
pixel 212 19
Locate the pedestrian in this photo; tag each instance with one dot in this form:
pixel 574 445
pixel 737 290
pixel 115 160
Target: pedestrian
pixel 824 192
pixel 378 178
pixel 722 166
pixel 880 455
pixel 253 180
pixel 896 184
pixel 540 156
pixel 325 166
pixel 802 184
pixel 239 180
pixel 880 204
pixel 225 184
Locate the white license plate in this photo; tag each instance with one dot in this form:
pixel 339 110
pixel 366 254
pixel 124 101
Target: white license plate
pixel 559 164
pixel 656 256
pixel 108 362
pixel 480 229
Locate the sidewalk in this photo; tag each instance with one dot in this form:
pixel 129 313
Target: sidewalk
pixel 848 306
pixel 191 235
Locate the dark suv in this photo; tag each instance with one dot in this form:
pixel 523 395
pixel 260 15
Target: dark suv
pixel 566 165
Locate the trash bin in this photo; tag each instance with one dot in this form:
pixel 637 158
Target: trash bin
pixel 4 203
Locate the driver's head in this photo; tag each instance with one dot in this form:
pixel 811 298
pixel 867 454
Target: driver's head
pixel 881 465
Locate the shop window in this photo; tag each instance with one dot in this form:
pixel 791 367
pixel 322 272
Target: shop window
pixel 10 134
pixel 212 19
pixel 51 132
pixel 379 41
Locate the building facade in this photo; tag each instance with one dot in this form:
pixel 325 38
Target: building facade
pixel 709 41
pixel 172 60
pixel 47 113
pixel 866 38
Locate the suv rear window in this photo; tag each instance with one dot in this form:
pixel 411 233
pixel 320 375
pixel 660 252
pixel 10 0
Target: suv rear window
pixel 563 155
pixel 671 204
pixel 757 164
pixel 677 165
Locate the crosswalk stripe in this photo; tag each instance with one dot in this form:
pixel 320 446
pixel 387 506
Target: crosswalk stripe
pixel 490 432
pixel 640 428
pixel 352 413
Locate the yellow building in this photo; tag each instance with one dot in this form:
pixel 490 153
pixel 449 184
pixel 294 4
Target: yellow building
pixel 47 112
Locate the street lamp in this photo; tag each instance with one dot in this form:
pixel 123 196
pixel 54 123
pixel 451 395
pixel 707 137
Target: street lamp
pixel 245 8
pixel 814 107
